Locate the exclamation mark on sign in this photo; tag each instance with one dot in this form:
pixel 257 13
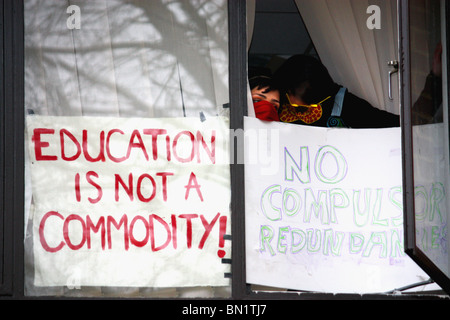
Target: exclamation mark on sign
pixel 222 229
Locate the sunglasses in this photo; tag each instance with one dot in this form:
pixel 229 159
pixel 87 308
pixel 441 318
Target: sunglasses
pixel 315 105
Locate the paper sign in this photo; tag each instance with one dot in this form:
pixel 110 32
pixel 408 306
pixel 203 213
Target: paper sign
pixel 129 202
pixel 325 213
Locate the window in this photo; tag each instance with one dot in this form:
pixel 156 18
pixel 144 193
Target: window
pixel 127 149
pixel 425 101
pixel 93 85
pixel 11 133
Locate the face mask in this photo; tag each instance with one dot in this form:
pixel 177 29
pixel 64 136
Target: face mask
pixel 265 110
pixel 306 113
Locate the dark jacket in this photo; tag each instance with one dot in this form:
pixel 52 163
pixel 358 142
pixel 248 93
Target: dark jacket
pixel 356 113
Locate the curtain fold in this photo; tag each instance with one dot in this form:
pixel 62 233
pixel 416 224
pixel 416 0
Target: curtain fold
pixel 356 57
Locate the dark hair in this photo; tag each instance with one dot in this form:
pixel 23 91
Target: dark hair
pixel 300 69
pixel 261 82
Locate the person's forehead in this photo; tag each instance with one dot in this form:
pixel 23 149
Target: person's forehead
pixel 265 90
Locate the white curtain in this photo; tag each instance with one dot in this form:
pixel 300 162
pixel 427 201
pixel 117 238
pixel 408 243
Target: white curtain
pixel 156 58
pixel 356 56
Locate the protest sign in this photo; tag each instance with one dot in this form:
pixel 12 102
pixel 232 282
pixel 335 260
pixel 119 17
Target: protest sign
pixel 325 214
pixel 129 202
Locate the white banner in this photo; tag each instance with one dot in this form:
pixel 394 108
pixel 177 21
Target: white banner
pixel 325 213
pixel 129 202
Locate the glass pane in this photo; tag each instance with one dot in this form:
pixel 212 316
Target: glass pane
pixel 331 226
pixel 127 141
pixel 430 131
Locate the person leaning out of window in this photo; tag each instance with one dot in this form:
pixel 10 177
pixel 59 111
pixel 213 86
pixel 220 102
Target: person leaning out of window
pixel 311 97
pixel 265 97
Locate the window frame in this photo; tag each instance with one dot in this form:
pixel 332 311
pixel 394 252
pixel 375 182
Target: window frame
pixel 11 160
pixel 411 248
pixel 237 34
pixel 238 188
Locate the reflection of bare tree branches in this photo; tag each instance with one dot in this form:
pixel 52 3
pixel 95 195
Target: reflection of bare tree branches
pixel 193 38
pixel 103 85
pixel 146 38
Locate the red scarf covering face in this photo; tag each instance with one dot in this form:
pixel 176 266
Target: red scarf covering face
pixel 264 110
